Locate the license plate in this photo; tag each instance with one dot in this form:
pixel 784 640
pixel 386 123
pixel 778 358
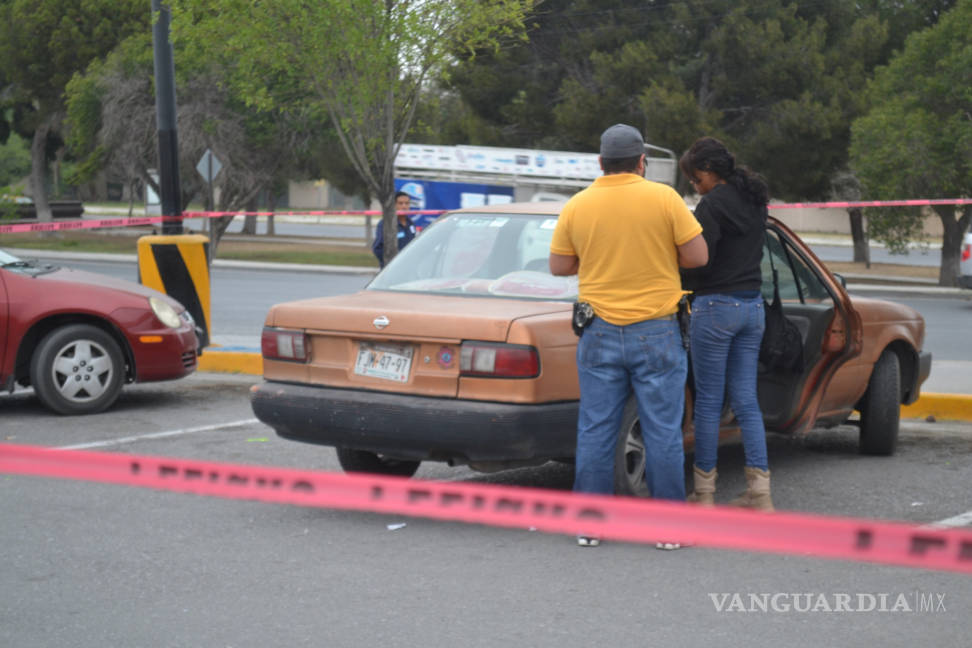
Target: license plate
pixel 386 361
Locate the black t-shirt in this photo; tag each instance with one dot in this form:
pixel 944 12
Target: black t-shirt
pixel 733 228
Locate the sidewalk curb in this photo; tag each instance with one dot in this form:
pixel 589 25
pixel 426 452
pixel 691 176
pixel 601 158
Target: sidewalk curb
pixel 943 407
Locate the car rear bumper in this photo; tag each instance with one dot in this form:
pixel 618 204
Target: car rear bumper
pixel 417 427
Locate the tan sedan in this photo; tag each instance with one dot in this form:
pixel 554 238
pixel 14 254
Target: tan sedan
pixel 461 351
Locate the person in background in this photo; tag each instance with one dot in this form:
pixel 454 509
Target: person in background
pixel 406 228
pixel 625 238
pixel 728 315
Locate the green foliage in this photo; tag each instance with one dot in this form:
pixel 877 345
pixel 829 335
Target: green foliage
pixel 364 65
pixel 916 140
pixel 14 160
pixel 44 42
pixel 779 81
pixel 896 227
pixel 8 206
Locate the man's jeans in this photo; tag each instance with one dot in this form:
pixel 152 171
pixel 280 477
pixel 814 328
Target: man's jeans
pixel 612 361
pixel 726 334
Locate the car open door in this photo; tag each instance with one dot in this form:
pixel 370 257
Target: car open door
pixel 829 326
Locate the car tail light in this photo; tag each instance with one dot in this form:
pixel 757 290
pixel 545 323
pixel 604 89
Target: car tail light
pixel 284 344
pixel 967 252
pixel 496 360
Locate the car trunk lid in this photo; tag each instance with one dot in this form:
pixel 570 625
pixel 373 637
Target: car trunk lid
pixel 397 342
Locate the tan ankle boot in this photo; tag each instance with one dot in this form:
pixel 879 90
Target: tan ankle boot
pixel 757 494
pixel 704 492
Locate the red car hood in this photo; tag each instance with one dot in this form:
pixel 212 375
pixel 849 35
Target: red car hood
pixel 68 275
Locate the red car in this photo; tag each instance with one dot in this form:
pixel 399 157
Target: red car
pixel 77 337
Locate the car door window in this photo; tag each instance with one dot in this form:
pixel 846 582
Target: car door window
pixel 798 282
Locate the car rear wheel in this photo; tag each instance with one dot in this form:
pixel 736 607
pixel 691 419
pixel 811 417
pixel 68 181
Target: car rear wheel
pixel 881 407
pixel 629 455
pixel 362 461
pixel 77 369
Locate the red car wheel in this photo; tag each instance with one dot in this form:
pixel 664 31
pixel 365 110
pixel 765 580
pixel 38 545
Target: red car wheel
pixel 77 369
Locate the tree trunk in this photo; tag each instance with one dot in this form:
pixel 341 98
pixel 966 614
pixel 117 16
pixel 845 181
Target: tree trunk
pixel 862 253
pixel 953 228
pixel 249 223
pixel 38 169
pixel 56 188
pixel 389 220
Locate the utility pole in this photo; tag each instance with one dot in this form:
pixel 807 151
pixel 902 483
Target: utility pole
pixel 174 263
pixel 165 112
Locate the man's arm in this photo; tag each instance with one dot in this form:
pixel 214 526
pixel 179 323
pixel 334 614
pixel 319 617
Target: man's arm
pixel 693 254
pixel 563 265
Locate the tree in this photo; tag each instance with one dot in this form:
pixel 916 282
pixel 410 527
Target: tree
pixel 916 140
pixel 112 125
pixel 779 81
pixel 42 44
pixel 362 64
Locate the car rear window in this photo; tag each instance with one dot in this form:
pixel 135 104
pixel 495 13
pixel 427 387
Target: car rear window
pixel 495 254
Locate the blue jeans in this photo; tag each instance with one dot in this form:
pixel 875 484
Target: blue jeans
pixel 726 334
pixel 612 361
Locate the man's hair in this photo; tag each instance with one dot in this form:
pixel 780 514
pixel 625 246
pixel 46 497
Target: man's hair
pixel 399 194
pixel 620 165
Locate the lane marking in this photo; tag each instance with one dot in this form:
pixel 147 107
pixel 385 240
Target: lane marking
pixel 158 435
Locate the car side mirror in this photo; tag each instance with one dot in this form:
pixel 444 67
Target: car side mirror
pixel 839 277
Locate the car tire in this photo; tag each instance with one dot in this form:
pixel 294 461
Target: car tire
pixel 881 407
pixel 629 455
pixel 77 369
pixel 362 461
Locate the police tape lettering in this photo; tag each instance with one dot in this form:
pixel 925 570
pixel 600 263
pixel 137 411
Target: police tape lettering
pixel 616 518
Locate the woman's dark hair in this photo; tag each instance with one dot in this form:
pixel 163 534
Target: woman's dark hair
pixel 709 154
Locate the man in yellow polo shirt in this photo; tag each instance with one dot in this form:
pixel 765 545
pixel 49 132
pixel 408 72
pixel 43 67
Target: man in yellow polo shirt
pixel 625 238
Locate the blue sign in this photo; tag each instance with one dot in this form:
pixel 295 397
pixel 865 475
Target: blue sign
pixel 435 194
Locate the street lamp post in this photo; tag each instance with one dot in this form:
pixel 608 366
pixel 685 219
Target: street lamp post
pixel 165 111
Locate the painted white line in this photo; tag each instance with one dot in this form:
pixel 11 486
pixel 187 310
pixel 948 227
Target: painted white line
pixel 961 520
pixel 158 435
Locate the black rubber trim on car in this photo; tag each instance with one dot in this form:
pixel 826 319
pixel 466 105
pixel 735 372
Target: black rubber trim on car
pixel 417 427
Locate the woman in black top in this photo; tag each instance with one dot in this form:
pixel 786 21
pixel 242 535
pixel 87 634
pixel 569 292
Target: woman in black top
pixel 727 315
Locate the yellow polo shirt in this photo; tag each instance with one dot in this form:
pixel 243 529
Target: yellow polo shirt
pixel 624 230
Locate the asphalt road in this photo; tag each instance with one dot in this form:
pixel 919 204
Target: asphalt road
pixel 93 565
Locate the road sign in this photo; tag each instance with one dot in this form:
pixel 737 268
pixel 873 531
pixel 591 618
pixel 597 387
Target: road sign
pixel 209 166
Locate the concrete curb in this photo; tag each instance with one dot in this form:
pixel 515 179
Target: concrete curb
pixel 942 407
pixel 235 362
